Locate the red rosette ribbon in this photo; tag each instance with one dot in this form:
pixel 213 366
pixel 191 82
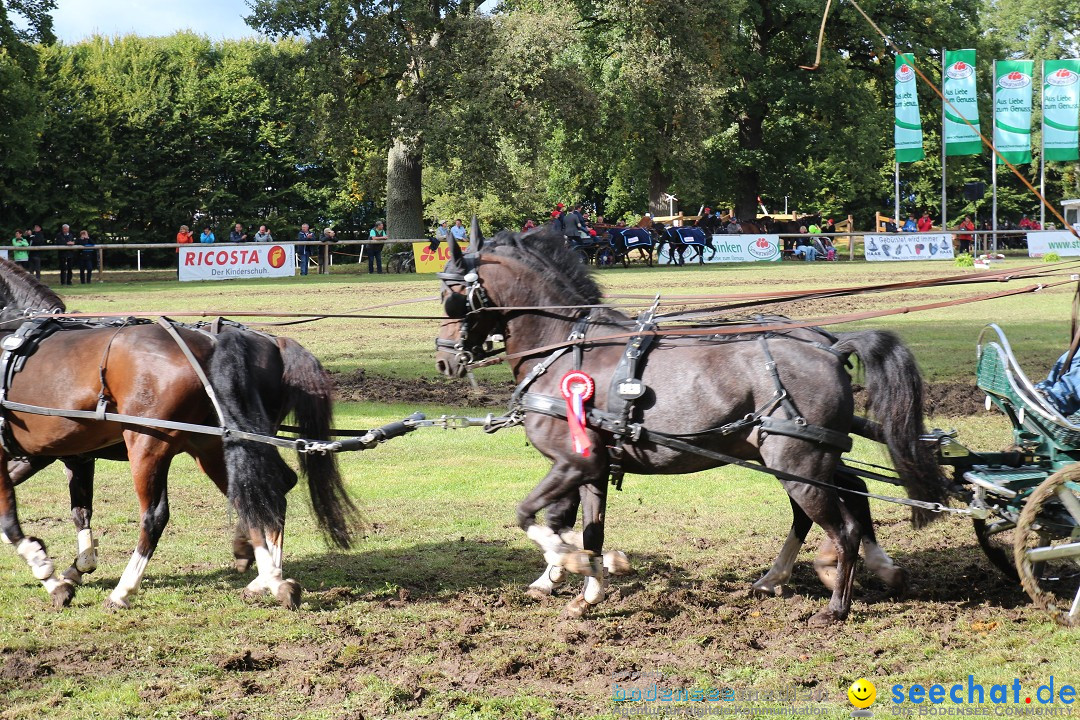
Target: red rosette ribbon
pixel 576 388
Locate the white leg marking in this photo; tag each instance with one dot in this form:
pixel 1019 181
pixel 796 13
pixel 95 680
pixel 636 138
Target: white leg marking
pixel 573 537
pixel 596 584
pixel 54 582
pixel 130 580
pixel 882 565
pixel 34 555
pixel 4 538
pixel 86 561
pixel 553 577
pixel 549 542
pixel 780 572
pixel 268 562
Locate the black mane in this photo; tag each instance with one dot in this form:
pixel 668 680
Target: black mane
pixel 544 251
pixel 19 290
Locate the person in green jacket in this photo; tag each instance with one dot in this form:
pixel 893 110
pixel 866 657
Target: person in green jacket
pixel 21 256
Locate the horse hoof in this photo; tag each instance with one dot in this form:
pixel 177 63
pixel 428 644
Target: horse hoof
pixel 113 605
pixel 251 593
pixel 62 595
pixel 767 590
pixel 578 562
pixel 617 563
pixel 896 580
pixel 538 593
pixel 576 608
pixel 288 594
pixel 73 575
pixel 825 618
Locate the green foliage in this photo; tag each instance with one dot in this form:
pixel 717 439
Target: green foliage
pixel 1051 257
pixel 964 260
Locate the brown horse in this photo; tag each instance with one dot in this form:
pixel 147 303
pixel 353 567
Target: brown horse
pixel 140 370
pixel 699 405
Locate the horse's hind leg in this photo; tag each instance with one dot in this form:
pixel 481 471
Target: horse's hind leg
pixel 212 462
pixel 268 554
pixel 772 582
pixel 593 505
pixel 150 459
pixel 31 549
pixel 80 475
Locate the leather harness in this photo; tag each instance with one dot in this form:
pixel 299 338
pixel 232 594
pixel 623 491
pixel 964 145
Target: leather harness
pixel 626 386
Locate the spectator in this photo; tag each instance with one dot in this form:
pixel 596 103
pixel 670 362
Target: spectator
pixel 574 225
pixel 37 239
pixel 925 223
pixel 374 258
pixel 264 235
pixel 529 225
pixel 442 234
pixel 804 248
pixel 328 237
pixel 303 252
pixel 184 236
pixel 827 247
pixel 65 238
pixel 207 235
pixel 86 258
pixel 910 225
pixel 21 257
pixel 830 226
pixel 1026 224
pixel 963 240
pixel 458 231
pixel 237 235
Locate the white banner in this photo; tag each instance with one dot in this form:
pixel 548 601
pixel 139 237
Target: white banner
pixel 1061 242
pixel 740 248
pixel 919 246
pixel 257 260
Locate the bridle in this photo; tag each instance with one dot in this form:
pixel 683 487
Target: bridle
pixel 464 306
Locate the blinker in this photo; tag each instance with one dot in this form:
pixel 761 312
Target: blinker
pixel 456 306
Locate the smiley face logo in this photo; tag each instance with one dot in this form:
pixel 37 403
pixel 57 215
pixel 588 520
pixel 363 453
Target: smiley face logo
pixel 862 693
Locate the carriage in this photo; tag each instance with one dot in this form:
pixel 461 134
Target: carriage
pixel 1024 501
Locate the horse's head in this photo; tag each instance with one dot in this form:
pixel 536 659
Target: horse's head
pixel 472 326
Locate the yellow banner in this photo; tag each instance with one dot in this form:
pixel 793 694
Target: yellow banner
pixel 428 261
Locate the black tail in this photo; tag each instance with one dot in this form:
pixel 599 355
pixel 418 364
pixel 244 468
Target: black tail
pixel 894 392
pixel 308 395
pixel 259 478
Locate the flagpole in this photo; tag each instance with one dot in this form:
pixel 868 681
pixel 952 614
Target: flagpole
pixel 943 108
pixel 993 158
pixel 1042 150
pixel 896 194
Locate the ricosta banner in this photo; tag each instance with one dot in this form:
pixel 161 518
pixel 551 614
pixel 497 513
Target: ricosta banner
pixel 1012 110
pixel 1061 109
pixel 959 90
pixel 907 132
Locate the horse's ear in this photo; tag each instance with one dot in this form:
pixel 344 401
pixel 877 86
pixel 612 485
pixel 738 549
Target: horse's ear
pixel 455 250
pixel 476 240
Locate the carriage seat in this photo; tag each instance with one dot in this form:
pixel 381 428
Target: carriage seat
pixel 999 375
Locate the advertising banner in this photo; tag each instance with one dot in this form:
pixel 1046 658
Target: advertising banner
pixel 920 246
pixel 1012 110
pixel 907 130
pixel 740 248
pixel 428 260
pixel 257 260
pixel 1061 109
pixel 1061 242
pixel 959 89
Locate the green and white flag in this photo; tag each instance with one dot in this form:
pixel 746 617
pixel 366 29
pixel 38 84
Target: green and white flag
pixel 959 89
pixel 1012 110
pixel 907 132
pixel 1061 109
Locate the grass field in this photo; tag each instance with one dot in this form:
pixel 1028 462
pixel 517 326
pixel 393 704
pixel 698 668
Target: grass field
pixel 426 617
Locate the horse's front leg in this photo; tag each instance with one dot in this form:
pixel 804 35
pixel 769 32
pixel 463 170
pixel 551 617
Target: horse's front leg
pixel 593 505
pixel 564 478
pixel 560 518
pixel 31 549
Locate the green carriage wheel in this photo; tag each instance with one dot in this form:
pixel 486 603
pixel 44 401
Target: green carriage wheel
pixel 1047 546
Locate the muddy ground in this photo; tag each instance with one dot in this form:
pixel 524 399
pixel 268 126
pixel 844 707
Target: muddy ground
pixel 940 399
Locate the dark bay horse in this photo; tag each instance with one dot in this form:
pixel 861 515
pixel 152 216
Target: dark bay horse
pixel 140 370
pixel 722 383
